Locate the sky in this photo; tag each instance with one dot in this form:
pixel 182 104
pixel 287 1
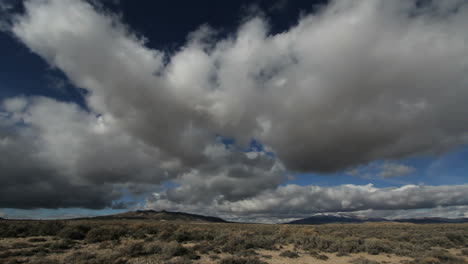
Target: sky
pixel 259 111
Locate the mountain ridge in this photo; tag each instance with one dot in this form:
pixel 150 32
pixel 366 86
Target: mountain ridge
pixel 322 218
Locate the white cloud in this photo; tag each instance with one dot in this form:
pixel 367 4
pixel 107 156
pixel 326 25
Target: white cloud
pixel 360 81
pixel 365 80
pixel 15 105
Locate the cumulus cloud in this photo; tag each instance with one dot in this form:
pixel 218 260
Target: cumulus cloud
pixel 390 170
pixel 59 155
pixel 301 201
pixel 356 82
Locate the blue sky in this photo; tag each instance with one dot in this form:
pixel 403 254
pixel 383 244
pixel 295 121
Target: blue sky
pixel 256 126
pixel 449 168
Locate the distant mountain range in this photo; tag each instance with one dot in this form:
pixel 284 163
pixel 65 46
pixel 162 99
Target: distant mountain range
pixel 327 218
pixel 160 216
pixel 317 219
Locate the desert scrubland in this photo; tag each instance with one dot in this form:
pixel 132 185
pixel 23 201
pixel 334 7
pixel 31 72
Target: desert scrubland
pixel 145 242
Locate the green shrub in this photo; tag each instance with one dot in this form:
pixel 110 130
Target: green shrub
pixel 234 244
pixel 108 244
pixel 349 245
pixel 24 253
pixel 174 249
pixel 6 254
pixel 214 257
pixel 37 239
pixel 375 246
pixel 445 257
pixel 81 257
pixel 151 229
pixel 457 239
pixel 317 255
pixel 134 249
pixel 50 228
pixel 438 257
pixel 181 235
pixel 15 261
pixel 438 241
pixel 289 254
pixel 21 245
pixel 153 248
pixel 61 244
pixel 165 232
pixel 105 233
pixel 75 232
pixel 204 247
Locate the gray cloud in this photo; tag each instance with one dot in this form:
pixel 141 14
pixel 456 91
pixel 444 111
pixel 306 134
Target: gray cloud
pixel 390 170
pixel 359 81
pixel 230 177
pixel 56 83
pixel 6 5
pixel 384 170
pixel 293 201
pixel 58 155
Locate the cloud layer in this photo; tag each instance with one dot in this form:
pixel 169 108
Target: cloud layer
pixel 299 201
pixel 356 82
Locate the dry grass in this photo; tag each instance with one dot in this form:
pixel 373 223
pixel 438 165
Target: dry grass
pixel 123 242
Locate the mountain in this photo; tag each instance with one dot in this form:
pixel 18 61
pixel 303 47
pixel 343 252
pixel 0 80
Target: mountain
pixel 328 218
pixel 160 216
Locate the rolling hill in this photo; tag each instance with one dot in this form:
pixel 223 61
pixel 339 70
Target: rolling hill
pixel 160 216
